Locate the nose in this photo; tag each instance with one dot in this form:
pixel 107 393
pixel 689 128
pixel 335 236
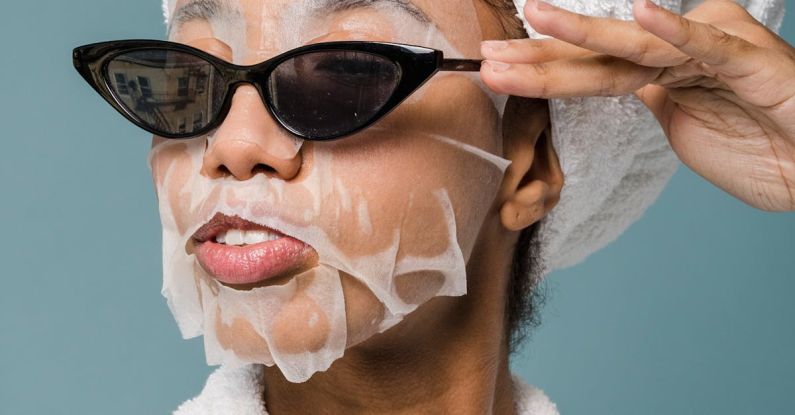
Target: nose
pixel 249 142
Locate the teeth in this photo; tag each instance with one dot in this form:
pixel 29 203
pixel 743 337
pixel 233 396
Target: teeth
pixel 234 237
pixel 253 237
pixel 238 237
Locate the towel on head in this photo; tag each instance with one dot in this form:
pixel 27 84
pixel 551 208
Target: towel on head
pixel 614 155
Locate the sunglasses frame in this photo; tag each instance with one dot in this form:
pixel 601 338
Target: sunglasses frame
pixel 416 65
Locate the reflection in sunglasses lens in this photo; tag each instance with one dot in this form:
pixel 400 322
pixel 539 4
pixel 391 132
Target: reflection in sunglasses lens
pixel 170 91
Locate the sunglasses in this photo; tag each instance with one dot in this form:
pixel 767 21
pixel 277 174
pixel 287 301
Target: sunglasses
pixel 321 91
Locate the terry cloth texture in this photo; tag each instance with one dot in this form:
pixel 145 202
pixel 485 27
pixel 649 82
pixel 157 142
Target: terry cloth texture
pixel 615 157
pixel 239 391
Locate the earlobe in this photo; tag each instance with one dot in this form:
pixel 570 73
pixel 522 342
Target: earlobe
pixel 534 180
pixel 527 206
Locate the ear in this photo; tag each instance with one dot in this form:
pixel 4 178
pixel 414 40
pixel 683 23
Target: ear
pixel 533 181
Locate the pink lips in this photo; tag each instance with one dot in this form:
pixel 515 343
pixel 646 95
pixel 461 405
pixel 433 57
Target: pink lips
pixel 248 264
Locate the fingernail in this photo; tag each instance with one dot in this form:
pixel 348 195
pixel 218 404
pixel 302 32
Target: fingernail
pixel 497 66
pixel 543 6
pixel 649 4
pixel 493 46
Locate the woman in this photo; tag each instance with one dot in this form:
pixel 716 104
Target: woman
pixel 313 225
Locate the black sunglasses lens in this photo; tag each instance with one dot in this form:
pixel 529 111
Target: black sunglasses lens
pixel 325 94
pixel 169 91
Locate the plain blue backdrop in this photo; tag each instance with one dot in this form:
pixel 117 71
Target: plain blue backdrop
pixel 690 311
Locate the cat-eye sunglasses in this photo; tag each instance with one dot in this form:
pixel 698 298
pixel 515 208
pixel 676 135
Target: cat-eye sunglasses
pixel 320 91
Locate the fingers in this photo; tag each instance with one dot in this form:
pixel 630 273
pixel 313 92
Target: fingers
pixel 729 55
pixel 598 75
pixel 623 39
pixel 591 56
pixel 530 50
pixel 655 98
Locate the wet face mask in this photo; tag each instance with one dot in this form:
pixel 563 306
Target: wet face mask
pixel 292 271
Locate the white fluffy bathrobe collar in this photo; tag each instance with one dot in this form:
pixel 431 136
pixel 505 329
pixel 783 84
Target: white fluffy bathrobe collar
pixel 239 392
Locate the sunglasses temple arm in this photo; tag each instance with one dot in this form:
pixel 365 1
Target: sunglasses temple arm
pixel 461 65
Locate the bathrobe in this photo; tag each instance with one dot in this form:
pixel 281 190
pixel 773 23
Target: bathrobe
pixel 239 391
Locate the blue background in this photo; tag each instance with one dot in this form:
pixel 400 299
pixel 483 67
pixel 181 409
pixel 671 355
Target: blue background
pixel 689 312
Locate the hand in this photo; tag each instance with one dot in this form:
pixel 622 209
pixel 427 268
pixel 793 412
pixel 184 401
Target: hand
pixel 721 85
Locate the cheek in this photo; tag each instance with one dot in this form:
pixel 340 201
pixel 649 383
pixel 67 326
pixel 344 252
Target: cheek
pixel 390 181
pixel 454 106
pixel 172 169
pixel 398 167
pixel 418 287
pixel 363 310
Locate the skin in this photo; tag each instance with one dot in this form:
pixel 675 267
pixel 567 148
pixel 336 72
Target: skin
pixel 719 82
pixel 451 354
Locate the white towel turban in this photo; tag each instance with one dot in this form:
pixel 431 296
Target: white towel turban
pixel 614 155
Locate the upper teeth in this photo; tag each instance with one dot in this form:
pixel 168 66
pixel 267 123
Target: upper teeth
pixel 240 237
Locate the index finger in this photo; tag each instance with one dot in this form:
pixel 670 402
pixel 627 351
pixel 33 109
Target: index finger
pixel 530 50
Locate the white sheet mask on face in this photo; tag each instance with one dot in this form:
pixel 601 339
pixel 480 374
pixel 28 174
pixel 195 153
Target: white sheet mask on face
pixel 393 209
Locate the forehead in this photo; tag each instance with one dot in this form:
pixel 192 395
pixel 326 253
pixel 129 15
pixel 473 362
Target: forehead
pixel 458 21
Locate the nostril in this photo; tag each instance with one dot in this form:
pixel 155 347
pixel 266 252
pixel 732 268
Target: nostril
pixel 243 159
pixel 224 171
pixel 263 168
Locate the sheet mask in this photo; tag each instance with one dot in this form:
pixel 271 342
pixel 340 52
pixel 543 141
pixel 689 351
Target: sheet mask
pixel 403 227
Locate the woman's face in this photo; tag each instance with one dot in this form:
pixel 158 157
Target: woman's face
pixel 287 252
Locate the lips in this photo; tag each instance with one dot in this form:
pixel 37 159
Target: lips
pixel 235 251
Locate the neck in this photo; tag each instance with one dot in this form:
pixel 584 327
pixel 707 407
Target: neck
pixel 448 356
